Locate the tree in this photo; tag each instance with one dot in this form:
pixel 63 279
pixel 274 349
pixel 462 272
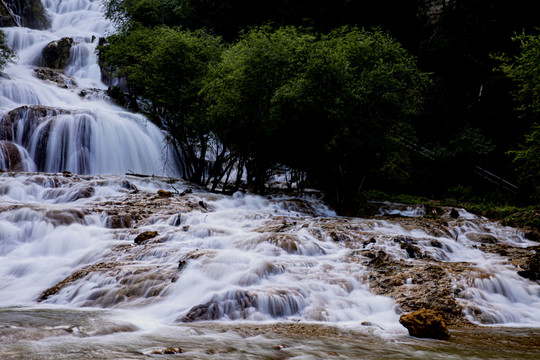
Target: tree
pixel 352 104
pixel 6 54
pixel 337 107
pixel 164 67
pixel 241 89
pixel 524 70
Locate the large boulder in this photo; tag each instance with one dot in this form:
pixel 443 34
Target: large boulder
pixel 425 323
pixel 55 55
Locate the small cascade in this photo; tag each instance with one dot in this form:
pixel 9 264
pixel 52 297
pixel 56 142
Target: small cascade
pixel 59 115
pixel 14 157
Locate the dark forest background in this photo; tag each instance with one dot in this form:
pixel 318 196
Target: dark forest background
pixel 429 97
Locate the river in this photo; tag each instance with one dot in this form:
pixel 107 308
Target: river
pixel 95 263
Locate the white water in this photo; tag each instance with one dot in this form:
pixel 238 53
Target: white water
pixel 239 258
pixel 252 258
pixel 82 135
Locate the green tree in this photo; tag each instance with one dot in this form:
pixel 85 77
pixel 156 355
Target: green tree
pixel 6 54
pixel 337 107
pixel 524 70
pixel 165 67
pixel 241 92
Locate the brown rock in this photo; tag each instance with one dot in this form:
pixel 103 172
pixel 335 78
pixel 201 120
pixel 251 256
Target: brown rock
pixel 145 236
pixel 12 160
pixel 532 267
pixel 55 76
pixel 163 193
pixel 425 323
pixel 168 351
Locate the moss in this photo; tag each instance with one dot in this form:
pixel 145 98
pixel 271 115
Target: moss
pixel 510 215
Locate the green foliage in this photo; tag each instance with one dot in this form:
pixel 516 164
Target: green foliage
pixel 524 70
pixel 165 67
pixel 6 54
pixel 469 147
pixel 336 107
pixel 527 161
pixel 241 91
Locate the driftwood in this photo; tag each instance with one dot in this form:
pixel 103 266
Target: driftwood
pixel 140 175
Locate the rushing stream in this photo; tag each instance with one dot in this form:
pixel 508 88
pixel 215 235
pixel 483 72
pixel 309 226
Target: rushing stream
pixel 98 264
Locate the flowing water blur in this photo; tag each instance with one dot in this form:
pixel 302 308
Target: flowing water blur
pixel 231 277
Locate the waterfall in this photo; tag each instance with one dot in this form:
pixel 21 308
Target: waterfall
pixel 61 118
pixel 94 258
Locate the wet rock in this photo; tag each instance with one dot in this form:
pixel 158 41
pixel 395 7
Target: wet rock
pixel 287 242
pixel 378 259
pixel 65 217
pixel 164 194
pixel 10 157
pixel 425 323
pixel 531 267
pixel 190 256
pixel 412 251
pixel 187 191
pixel 103 266
pixel 168 351
pixel 526 259
pixel 234 304
pixel 435 243
pixel 32 14
pixel 83 193
pixel 119 221
pixel 36 114
pixel 414 286
pixel 89 93
pixel 433 212
pixel 370 241
pixel 145 236
pixel 409 245
pixel 54 76
pixel 482 238
pixel 454 213
pixel 532 234
pixel 203 205
pixel 56 54
pixel 127 185
pixel 181 265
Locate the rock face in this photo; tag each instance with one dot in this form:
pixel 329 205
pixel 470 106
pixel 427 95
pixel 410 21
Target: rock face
pixel 28 13
pixel 55 55
pixel 425 323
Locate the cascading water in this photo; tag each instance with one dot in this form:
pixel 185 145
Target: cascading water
pixel 54 119
pixel 107 266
